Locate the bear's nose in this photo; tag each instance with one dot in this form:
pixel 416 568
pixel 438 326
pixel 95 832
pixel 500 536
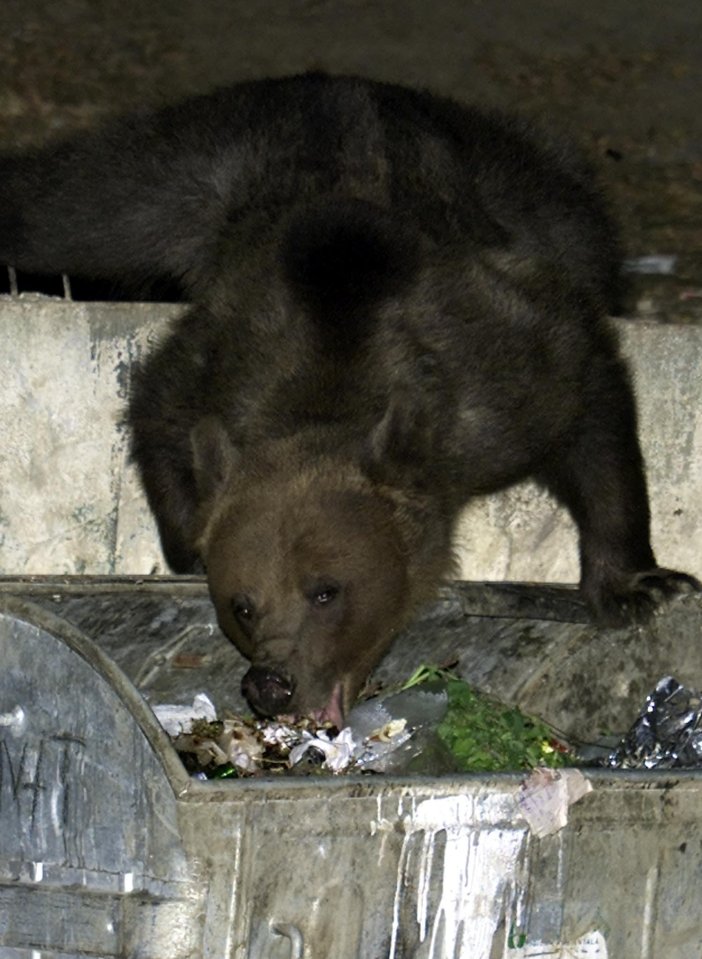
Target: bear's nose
pixel 266 691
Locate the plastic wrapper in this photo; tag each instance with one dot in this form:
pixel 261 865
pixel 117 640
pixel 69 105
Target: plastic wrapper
pixel 396 733
pixel 667 733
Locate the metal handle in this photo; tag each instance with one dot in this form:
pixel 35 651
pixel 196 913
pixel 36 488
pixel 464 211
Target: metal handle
pixel 293 934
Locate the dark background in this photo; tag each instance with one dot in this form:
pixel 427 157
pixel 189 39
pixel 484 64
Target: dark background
pixel 624 77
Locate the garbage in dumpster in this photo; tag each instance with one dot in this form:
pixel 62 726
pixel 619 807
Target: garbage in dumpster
pixel 667 732
pixel 546 795
pixel 181 719
pixel 485 735
pixel 435 723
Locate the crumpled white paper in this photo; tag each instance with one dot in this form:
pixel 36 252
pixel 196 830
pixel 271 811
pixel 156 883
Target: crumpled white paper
pixel 179 720
pixel 545 796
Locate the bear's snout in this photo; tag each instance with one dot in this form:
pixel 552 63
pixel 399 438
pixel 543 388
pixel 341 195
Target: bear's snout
pixel 266 691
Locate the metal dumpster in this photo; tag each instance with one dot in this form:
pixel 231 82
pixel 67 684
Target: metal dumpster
pixel 108 849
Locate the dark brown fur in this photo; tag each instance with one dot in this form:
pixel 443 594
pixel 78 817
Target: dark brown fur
pixel 399 303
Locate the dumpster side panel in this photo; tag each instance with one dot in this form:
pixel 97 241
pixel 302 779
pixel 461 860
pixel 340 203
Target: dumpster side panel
pixel 436 869
pixel 91 861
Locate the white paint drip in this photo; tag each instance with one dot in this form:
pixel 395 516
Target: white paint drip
pixel 478 862
pixel 55 809
pixel 399 889
pixel 649 913
pixel 424 884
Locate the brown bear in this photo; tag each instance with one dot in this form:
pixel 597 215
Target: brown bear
pixel 398 303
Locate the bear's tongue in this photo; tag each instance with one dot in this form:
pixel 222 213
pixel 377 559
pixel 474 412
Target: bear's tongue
pixel 333 711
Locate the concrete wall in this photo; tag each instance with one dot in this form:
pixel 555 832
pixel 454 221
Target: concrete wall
pixel 71 503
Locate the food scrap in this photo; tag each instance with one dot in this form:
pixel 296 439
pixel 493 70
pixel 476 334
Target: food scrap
pixel 434 723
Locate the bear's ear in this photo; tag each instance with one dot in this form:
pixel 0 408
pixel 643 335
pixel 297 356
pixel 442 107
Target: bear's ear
pixel 214 456
pixel 387 442
pixel 400 448
pixel 384 438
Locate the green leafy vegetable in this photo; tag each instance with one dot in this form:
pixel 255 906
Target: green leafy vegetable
pixel 484 735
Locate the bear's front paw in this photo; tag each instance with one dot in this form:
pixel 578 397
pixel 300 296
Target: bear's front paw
pixel 633 598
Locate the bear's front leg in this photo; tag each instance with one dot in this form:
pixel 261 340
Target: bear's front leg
pixel 600 477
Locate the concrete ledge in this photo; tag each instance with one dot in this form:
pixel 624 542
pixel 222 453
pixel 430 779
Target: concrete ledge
pixel 71 503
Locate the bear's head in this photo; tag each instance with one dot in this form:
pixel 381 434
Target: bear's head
pixel 310 573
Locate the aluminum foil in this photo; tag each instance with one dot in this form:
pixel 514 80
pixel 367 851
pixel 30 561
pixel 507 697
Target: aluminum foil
pixel 667 733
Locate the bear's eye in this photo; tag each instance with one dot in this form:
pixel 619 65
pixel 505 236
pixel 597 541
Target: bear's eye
pixel 324 594
pixel 243 609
